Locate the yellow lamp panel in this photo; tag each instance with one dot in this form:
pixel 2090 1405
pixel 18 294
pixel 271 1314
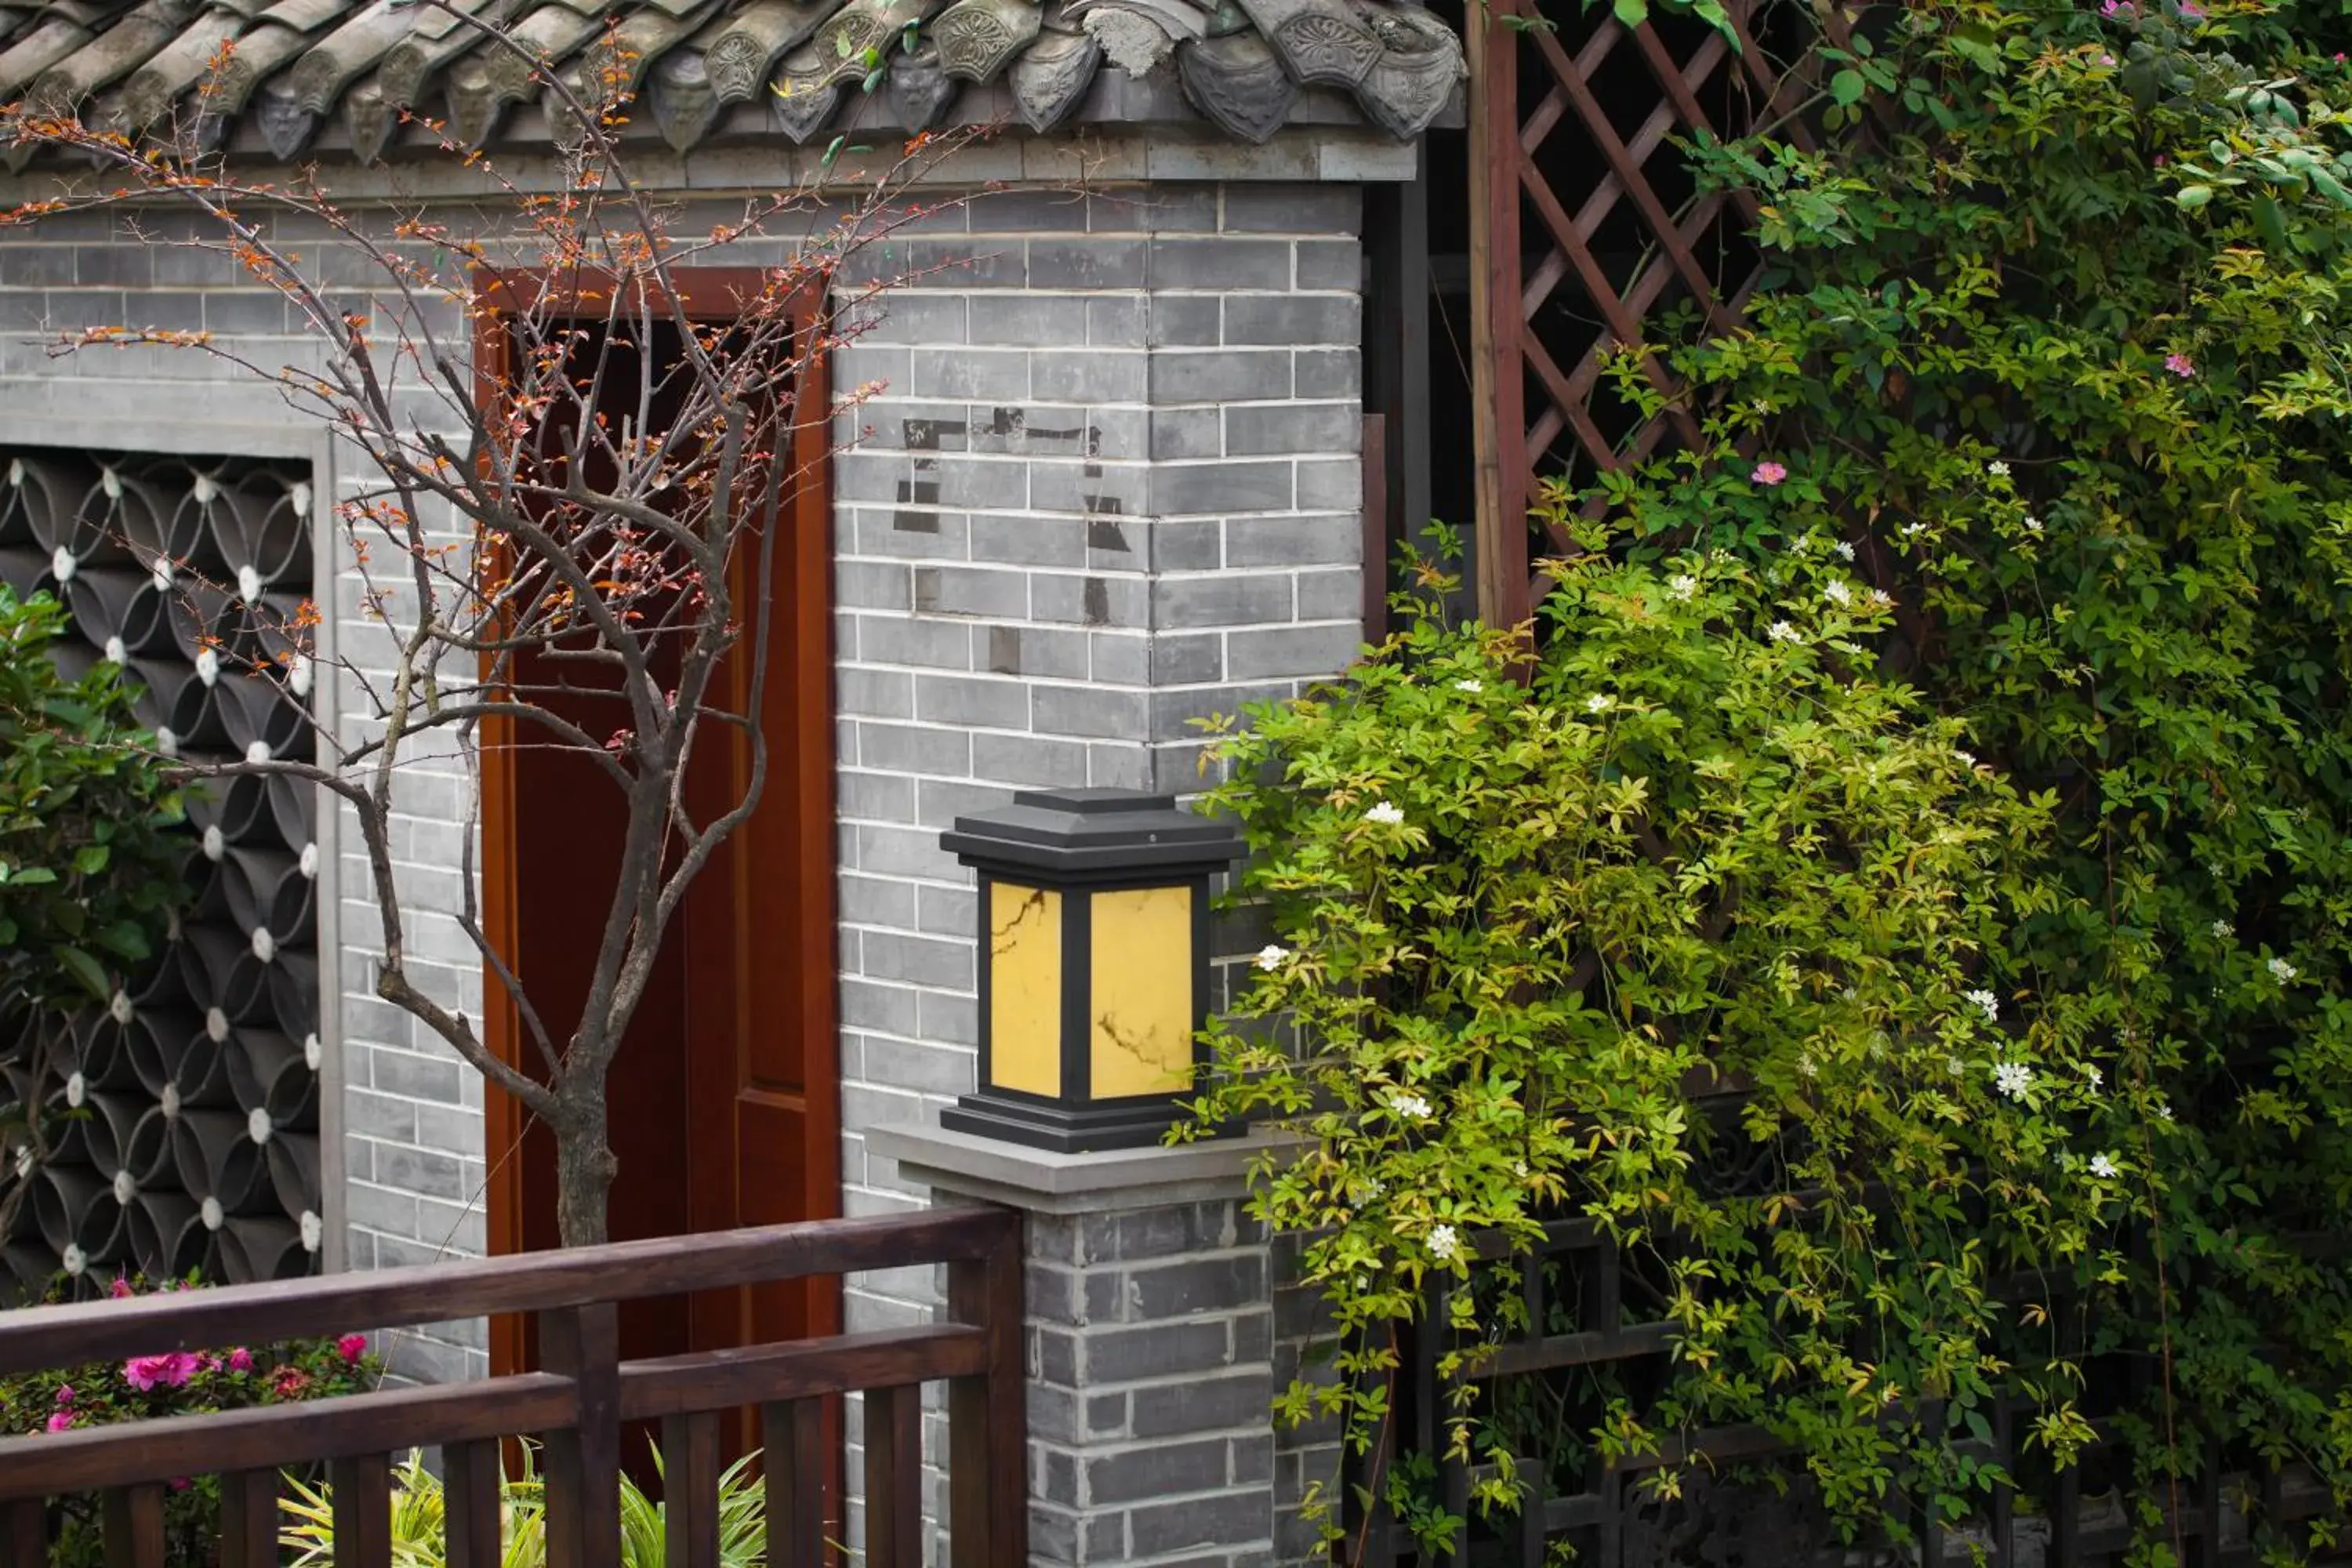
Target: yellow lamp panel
pixel 1024 999
pixel 1143 996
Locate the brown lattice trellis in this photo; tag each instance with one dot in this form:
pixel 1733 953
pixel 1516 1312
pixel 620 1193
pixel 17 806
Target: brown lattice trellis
pixel 1589 233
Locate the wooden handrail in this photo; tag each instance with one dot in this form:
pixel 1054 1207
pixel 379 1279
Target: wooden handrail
pixel 577 1404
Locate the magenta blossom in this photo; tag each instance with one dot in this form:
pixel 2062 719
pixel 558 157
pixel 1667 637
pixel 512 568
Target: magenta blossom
pixel 61 1422
pixel 351 1347
pixel 65 1393
pixel 1769 473
pixel 148 1372
pixel 2180 365
pixel 240 1360
pixel 120 1289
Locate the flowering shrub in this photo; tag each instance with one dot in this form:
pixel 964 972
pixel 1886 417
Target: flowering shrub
pixel 2046 408
pixel 179 1383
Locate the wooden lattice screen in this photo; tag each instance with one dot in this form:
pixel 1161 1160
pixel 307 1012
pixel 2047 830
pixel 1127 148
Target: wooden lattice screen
pixel 1588 232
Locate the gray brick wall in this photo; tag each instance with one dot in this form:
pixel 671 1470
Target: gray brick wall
pixel 1106 484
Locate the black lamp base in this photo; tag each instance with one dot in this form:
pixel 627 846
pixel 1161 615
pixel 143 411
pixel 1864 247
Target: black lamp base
pixel 1063 1129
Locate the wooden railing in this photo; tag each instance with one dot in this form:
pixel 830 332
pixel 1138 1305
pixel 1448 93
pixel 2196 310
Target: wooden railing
pixel 577 1404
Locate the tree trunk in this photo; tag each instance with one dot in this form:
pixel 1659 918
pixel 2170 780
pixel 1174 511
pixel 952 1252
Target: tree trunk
pixel 584 1163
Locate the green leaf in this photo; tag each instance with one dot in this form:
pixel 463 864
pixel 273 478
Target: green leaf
pixel 2193 197
pixel 2270 222
pixel 91 859
pixel 832 151
pixel 1848 85
pixel 84 969
pixel 1633 12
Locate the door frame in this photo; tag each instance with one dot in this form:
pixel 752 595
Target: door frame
pixel 705 294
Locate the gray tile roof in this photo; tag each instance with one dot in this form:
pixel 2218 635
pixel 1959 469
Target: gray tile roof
pixel 295 66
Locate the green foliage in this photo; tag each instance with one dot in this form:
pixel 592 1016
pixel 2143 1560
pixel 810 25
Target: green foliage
pixel 420 1510
pixel 2058 345
pixel 86 875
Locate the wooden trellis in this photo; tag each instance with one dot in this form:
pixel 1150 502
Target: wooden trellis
pixel 1586 232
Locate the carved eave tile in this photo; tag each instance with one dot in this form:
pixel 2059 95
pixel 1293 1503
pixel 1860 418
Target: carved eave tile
pixel 1131 39
pixel 436 38
pixel 154 87
pixel 1322 43
pixel 978 38
pixel 1238 84
pixel 685 106
pixel 368 120
pixel 804 92
pixel 537 41
pixel 341 57
pixel 920 86
pixel 475 103
pixel 286 126
pixel 1421 64
pixel 750 43
pixel 860 26
pixel 1052 76
pixel 617 65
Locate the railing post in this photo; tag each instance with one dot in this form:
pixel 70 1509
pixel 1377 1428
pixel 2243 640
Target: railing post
pixel 988 1430
pixel 583 1460
pixel 25 1535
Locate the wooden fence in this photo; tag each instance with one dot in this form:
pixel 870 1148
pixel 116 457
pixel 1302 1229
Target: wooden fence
pixel 578 1403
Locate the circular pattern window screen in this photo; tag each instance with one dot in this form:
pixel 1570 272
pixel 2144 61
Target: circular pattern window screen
pixel 194 1143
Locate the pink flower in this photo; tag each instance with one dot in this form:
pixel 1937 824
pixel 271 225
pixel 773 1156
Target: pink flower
pixel 65 1393
pixel 2191 12
pixel 120 1289
pixel 179 1483
pixel 61 1422
pixel 351 1347
pixel 148 1372
pixel 240 1360
pixel 1769 473
pixel 2180 365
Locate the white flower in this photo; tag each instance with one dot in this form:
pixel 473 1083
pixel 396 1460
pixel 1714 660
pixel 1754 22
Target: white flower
pixel 2092 1073
pixel 2032 524
pixel 1837 592
pixel 2223 930
pixel 1519 1168
pixel 1914 530
pixel 2104 1168
pixel 1410 1105
pixel 1444 1244
pixel 1996 468
pixel 1810 1068
pixel 1682 587
pixel 1987 1004
pixel 2282 970
pixel 1953 1066
pixel 1781 631
pixel 1365 1191
pixel 1845 551
pixel 2012 1079
pixel 1386 815
pixel 1270 956
pixel 1880 599
pixel 1599 702
pixel 2163 1112
pixel 1472 686
pixel 1968 759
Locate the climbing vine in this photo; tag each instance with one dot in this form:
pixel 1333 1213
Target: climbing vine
pixel 1951 755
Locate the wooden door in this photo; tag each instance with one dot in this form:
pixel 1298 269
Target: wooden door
pixel 725 1090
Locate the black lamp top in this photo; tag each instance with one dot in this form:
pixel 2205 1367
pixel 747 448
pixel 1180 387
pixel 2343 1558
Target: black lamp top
pixel 1092 832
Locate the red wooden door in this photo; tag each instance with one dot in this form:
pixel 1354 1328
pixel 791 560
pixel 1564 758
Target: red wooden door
pixel 725 1092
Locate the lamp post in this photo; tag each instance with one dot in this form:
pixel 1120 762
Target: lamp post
pixel 1093 964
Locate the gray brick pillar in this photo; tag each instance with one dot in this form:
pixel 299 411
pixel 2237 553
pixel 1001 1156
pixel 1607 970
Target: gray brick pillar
pixel 1156 1339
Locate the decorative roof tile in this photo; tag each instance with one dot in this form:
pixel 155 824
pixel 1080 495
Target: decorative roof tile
pixel 290 68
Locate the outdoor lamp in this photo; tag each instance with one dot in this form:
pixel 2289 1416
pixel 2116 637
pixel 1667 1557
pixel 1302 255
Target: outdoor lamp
pixel 1094 966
